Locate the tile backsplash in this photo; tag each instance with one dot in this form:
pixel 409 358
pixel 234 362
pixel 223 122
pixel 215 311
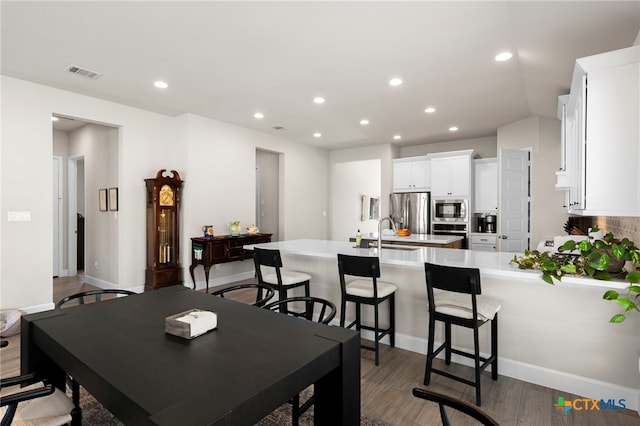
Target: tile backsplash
pixel 621 227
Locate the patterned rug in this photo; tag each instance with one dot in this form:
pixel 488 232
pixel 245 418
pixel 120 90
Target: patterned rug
pixel 94 414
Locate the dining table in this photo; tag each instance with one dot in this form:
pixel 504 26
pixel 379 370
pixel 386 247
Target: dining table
pixel 253 362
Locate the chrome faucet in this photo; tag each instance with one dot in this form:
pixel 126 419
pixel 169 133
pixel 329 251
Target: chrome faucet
pixel 393 226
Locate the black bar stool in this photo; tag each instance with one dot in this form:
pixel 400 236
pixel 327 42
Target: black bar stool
pixel 369 292
pixel 462 304
pixel 282 280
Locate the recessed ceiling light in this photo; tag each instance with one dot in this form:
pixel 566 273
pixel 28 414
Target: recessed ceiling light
pixel 395 82
pixel 160 84
pixel 453 129
pixel 317 135
pixel 318 100
pixel 258 115
pixel 503 56
pixel 364 122
pixel 54 118
pixel 430 110
pixel 397 137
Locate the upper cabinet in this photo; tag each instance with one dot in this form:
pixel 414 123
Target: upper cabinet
pixel 486 185
pixel 451 174
pixel 601 136
pixel 412 174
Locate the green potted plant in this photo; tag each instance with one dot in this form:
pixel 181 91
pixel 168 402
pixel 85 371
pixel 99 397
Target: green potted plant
pixel 602 259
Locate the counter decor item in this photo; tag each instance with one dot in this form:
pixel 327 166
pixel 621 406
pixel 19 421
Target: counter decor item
pixel 207 230
pixel 403 232
pixel 602 259
pixel 234 228
pixel 253 229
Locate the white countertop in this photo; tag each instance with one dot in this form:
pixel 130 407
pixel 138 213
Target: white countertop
pixel 415 238
pixel 490 263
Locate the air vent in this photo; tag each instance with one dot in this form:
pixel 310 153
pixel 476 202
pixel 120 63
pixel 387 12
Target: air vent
pixel 278 128
pixel 83 72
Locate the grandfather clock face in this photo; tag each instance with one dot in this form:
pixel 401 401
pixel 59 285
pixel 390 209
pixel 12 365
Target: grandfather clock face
pixel 166 196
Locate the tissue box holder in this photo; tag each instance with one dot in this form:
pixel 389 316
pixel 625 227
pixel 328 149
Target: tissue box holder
pixel 190 324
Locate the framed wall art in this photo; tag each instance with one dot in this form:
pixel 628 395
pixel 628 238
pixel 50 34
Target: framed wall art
pixel 113 199
pixel 102 199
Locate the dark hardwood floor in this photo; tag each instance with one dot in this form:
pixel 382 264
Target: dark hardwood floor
pixel 386 389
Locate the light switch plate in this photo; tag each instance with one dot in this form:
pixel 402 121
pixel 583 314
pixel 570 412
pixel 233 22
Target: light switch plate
pixel 19 216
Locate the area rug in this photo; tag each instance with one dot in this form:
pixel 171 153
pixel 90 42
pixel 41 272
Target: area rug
pixel 94 414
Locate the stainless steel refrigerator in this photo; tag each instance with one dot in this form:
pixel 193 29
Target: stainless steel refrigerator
pixel 411 210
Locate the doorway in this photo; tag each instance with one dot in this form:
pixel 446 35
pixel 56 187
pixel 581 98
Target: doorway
pixel 268 193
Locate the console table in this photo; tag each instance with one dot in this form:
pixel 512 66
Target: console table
pixel 221 249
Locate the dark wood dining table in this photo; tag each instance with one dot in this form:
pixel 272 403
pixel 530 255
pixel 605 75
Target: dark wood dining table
pixel 252 363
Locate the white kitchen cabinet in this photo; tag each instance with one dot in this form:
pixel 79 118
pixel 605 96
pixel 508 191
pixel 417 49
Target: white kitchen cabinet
pixel 483 242
pixel 412 174
pixel 451 174
pixel 486 185
pixel 601 136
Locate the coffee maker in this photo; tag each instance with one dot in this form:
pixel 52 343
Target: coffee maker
pixel 490 223
pixel 482 224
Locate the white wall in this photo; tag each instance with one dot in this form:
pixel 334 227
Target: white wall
pixel 385 153
pixel 147 142
pixel 350 181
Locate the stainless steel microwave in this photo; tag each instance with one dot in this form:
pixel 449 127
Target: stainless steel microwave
pixel 449 210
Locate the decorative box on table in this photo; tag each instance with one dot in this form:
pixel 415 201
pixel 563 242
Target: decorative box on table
pixel 191 323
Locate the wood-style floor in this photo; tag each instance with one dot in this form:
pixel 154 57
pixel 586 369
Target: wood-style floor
pixel 386 389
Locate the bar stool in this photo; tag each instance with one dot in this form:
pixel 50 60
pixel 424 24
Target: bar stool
pixel 462 304
pixel 369 292
pixel 281 279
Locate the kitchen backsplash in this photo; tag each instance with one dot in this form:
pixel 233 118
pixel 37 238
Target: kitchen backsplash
pixel 621 227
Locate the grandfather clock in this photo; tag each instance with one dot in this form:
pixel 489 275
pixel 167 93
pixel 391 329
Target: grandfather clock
pixel 163 237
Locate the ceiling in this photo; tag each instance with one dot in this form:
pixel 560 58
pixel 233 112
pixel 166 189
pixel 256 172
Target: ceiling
pixel 228 60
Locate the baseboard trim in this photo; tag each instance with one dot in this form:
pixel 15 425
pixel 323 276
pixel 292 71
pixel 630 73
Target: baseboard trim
pixel 215 282
pixel 564 382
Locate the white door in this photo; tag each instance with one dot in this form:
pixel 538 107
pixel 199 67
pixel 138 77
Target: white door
pixel 57 215
pixel 513 214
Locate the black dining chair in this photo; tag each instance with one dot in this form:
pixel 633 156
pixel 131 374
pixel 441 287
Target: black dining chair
pixel 308 308
pixel 366 289
pixel 459 302
pixel 281 279
pixel 95 295
pixel 35 402
pixel 264 292
pixel 81 298
pixel 444 401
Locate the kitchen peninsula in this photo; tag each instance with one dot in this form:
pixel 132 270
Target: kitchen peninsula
pixel 557 336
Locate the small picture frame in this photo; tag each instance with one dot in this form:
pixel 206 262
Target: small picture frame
pixel 113 199
pixel 102 199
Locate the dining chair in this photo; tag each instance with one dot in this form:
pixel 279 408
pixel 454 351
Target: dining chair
pixel 96 296
pixel 444 401
pixel 34 403
pixel 459 302
pixel 308 308
pixel 366 289
pixel 264 292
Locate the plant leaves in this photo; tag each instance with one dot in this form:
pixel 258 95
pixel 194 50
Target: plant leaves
pixel 610 295
pixel 617 318
pixel 626 303
pixel 633 277
pixel 568 245
pixel 546 277
pixel 602 275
